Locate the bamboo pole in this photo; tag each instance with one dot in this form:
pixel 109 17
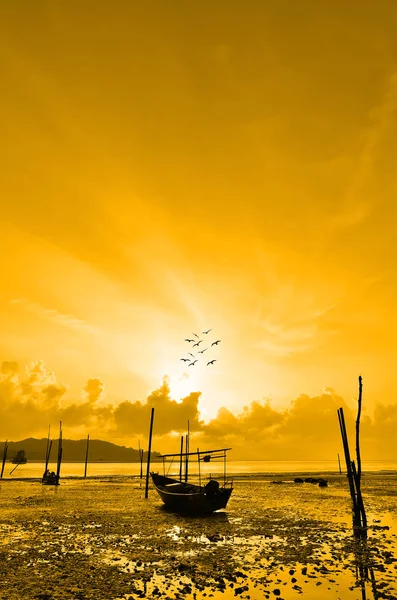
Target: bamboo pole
pixel 180 464
pixel 348 461
pixel 5 451
pixel 86 455
pixel 357 474
pixel 358 454
pixel 340 468
pixel 17 465
pixel 140 452
pixel 148 455
pixel 362 517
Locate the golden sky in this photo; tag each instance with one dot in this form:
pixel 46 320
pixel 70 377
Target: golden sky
pixel 169 167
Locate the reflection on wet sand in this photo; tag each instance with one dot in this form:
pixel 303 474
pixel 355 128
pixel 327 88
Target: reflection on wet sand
pixel 101 539
pixel 364 571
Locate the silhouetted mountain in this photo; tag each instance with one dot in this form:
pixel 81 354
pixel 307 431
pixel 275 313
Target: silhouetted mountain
pixel 74 451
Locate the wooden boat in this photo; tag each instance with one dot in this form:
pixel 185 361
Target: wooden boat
pixel 186 497
pixel 50 477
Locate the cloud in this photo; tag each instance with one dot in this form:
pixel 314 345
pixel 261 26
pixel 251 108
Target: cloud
pixel 286 333
pixel 170 415
pixel 50 314
pixel 32 398
pixel 94 390
pixel 355 208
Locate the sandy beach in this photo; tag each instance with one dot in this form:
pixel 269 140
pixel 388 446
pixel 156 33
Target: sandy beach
pixel 99 538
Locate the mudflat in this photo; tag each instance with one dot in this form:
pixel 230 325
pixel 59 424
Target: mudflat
pixel 98 538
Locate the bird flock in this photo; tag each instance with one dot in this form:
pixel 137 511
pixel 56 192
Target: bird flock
pixel 195 343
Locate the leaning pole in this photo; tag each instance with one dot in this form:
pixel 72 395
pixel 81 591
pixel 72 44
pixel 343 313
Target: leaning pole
pixel 148 454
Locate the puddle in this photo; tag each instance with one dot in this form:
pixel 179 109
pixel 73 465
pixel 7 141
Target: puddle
pixel 273 542
pixel 119 560
pixel 281 584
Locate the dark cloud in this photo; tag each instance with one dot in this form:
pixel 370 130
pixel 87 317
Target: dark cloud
pixel 9 367
pixel 308 429
pixel 94 390
pixel 170 415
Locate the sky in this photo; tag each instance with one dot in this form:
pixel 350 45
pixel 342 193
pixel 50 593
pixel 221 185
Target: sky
pixel 168 168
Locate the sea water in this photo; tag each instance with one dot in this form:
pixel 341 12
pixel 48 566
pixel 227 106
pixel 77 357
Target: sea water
pixel 234 468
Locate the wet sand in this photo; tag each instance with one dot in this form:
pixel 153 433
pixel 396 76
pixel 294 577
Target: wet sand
pixel 100 539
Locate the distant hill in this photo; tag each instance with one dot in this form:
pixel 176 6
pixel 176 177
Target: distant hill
pixel 74 451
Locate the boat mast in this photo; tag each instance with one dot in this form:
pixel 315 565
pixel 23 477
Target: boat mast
pixel 48 444
pixel 180 464
pixel 86 456
pixel 59 452
pixel 187 453
pixel 47 458
pixel 198 462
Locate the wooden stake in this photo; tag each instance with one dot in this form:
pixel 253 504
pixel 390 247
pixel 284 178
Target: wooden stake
pixel 5 450
pixel 358 455
pixel 348 461
pixel 17 465
pixel 86 456
pixel 140 457
pixel 362 517
pixel 357 475
pixel 340 468
pixel 148 456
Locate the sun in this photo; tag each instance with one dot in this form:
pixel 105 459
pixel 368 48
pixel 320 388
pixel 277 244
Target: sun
pixel 182 385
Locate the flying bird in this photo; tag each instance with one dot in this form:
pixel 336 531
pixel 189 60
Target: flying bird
pixel 211 362
pixel 192 363
pixel 202 351
pixel 208 330
pixel 186 359
pixel 196 335
pixel 190 354
pixel 187 340
pixel 197 343
pixel 216 343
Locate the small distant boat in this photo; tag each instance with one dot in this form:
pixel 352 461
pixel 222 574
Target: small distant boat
pixel 52 477
pixel 185 497
pixel 20 458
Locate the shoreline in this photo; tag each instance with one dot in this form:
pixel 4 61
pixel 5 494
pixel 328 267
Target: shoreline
pixel 277 476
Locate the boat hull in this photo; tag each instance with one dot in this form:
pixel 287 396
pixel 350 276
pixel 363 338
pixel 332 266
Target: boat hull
pixel 48 480
pixel 188 498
